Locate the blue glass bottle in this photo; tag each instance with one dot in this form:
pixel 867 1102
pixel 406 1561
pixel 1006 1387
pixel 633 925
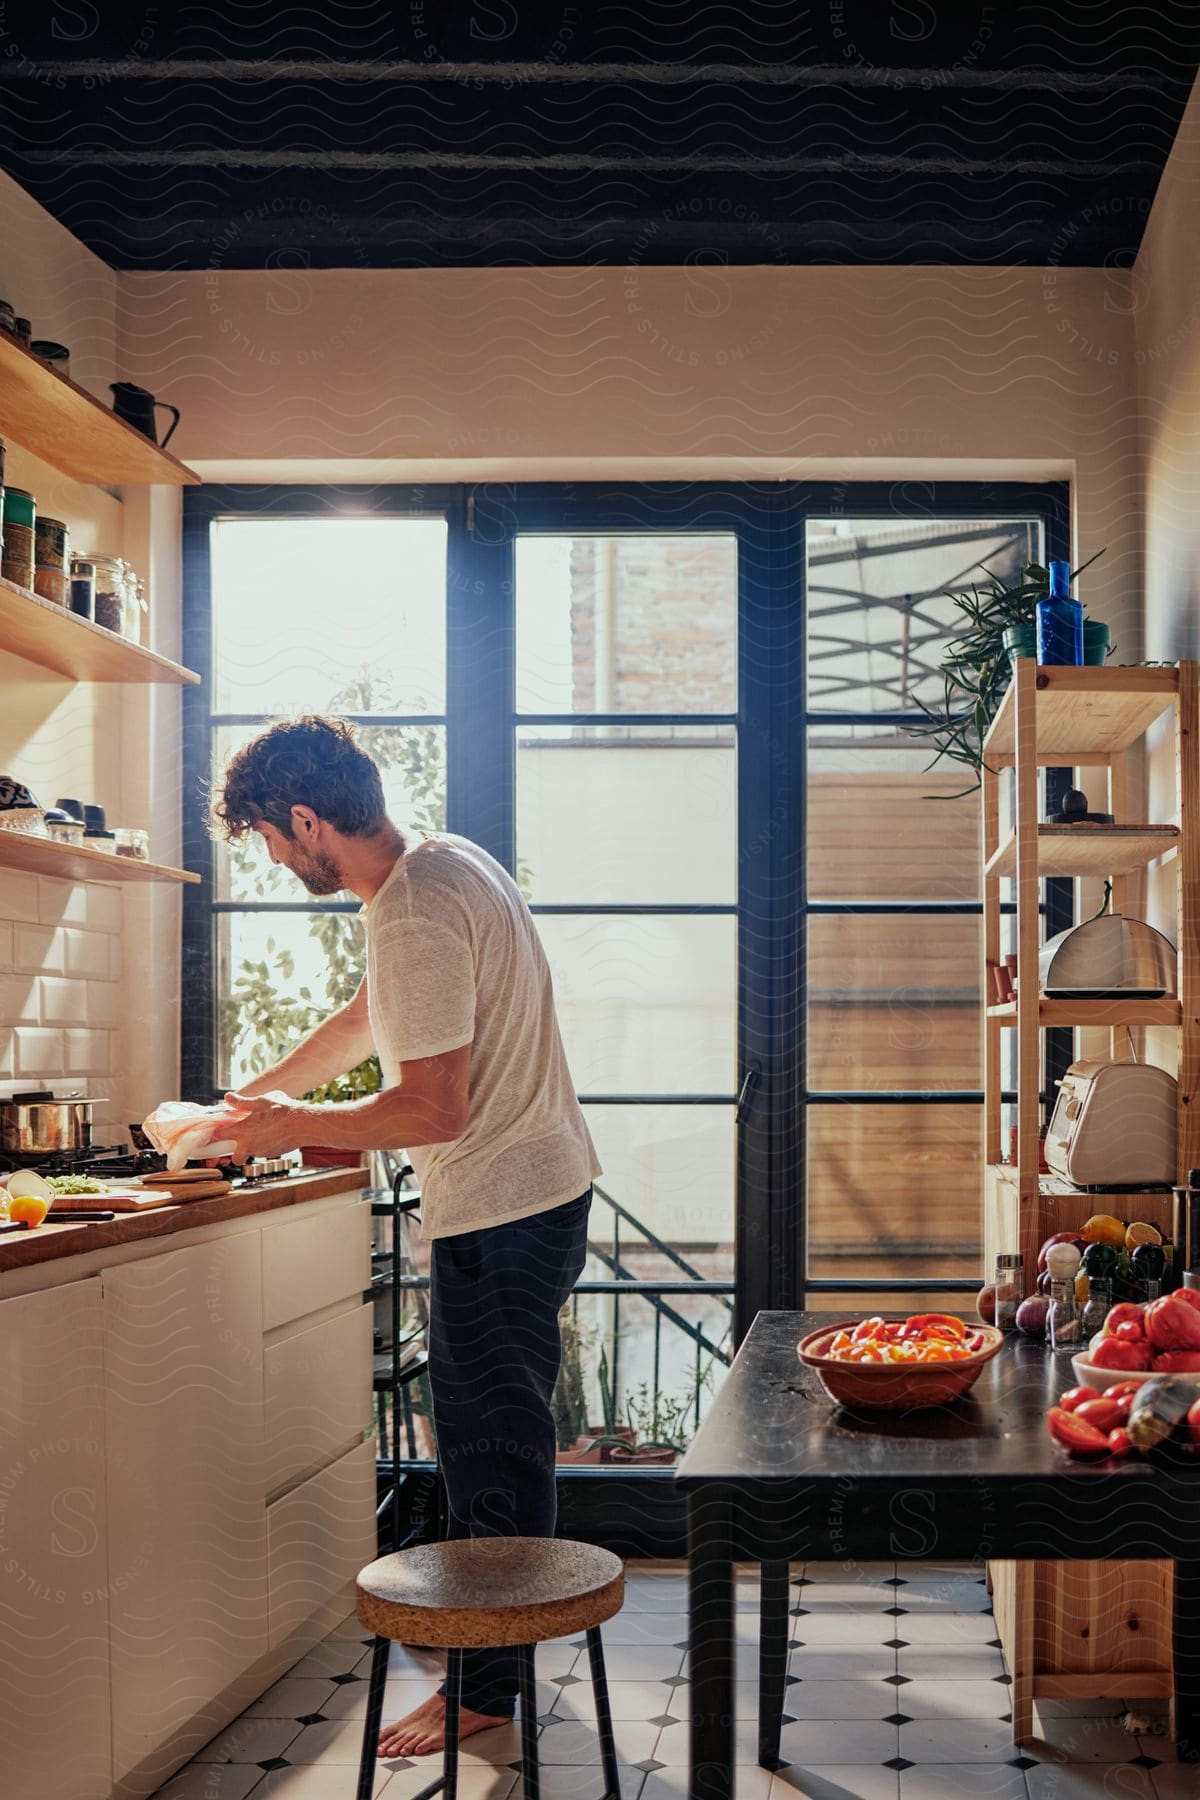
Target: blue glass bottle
pixel 1060 621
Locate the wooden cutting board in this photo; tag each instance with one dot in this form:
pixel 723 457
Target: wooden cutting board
pixel 139 1199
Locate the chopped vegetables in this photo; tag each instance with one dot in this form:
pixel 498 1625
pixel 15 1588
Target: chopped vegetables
pixel 923 1338
pixel 77 1184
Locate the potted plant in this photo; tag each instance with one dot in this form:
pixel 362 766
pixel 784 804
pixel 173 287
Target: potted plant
pixel 997 623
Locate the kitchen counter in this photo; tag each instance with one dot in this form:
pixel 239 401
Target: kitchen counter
pixel 54 1239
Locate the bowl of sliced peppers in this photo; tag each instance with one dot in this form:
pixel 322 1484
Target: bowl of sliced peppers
pixel 927 1359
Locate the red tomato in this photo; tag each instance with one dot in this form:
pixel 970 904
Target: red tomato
pixel 1114 1354
pixel 1123 1404
pixel 1074 1434
pixel 1129 1331
pixel 1189 1296
pixel 1177 1362
pixel 1118 1442
pixel 1104 1413
pixel 922 1321
pixel 1193 1421
pixel 1125 1313
pixel 1077 1395
pixel 867 1329
pixel 1121 1390
pixel 1173 1324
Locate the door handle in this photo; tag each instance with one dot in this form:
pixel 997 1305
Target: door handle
pixel 745 1099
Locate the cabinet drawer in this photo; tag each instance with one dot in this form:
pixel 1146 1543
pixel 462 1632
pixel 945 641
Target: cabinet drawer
pixel 316 1395
pixel 310 1263
pixel 318 1537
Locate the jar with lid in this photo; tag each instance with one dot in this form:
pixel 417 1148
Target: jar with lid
pixel 50 577
pixel 83 587
pixel 131 841
pixel 1008 1290
pixel 1096 1307
pixel 20 520
pixel 1063 1321
pixel 110 590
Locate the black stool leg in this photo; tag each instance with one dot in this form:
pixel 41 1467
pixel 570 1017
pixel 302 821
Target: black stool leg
pixel 604 1724
pixel 772 1658
pixel 366 1765
pixel 454 1663
pixel 529 1728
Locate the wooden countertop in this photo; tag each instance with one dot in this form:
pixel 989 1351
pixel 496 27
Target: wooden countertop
pixel 51 1241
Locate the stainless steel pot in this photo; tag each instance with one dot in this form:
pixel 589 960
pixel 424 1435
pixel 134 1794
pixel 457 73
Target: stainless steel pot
pixel 37 1124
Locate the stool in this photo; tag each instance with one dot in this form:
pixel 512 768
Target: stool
pixel 489 1593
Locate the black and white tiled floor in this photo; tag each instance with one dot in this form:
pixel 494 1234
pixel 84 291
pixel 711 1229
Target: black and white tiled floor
pixel 898 1693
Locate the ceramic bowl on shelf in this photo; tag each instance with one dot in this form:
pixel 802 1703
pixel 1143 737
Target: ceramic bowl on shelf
pixel 895 1387
pixel 19 810
pixel 1088 1375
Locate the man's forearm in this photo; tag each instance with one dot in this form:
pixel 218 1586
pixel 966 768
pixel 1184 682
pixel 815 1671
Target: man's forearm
pixel 337 1044
pixel 381 1121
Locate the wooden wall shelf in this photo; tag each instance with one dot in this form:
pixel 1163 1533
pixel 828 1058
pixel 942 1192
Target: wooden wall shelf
pixel 1089 849
pixel 59 640
pixel 52 417
pixel 45 856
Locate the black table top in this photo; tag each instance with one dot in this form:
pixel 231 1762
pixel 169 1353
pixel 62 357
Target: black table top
pixel 772 1421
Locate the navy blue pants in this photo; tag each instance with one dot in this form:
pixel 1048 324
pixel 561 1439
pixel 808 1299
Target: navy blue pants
pixel 494 1351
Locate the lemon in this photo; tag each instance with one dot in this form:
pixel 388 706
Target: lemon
pixel 1141 1233
pixel 1102 1228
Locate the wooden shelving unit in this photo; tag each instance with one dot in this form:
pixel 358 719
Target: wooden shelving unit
pixel 46 856
pixel 55 419
pixel 1102 1629
pixel 59 640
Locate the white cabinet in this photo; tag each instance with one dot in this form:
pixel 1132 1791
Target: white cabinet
pixel 186 1493
pixel 316 1396
pixel 320 1536
pixel 54 1573
pixel 310 1263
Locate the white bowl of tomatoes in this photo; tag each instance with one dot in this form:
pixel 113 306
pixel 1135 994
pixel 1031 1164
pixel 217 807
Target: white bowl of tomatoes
pixel 1161 1337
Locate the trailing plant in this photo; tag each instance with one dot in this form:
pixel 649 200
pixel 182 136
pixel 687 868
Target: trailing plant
pixel 976 667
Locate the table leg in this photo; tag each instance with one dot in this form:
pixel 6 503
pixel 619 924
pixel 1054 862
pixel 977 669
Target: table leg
pixel 772 1658
pixel 1186 1654
pixel 710 1646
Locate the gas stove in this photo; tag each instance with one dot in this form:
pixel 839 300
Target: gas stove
pixel 115 1163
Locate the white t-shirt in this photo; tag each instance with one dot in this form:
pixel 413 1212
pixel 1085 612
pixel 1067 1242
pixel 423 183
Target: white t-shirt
pixel 453 958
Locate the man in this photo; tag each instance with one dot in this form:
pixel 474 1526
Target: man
pixel 457 1001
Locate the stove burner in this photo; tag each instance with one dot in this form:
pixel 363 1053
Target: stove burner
pixel 108 1162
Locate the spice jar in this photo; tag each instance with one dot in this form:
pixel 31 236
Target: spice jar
pixel 20 517
pixel 131 841
pixel 83 587
pixel 50 578
pixel 1096 1307
pixel 1008 1290
pixel 110 591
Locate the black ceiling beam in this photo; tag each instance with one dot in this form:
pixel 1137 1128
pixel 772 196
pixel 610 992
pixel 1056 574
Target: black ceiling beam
pixel 547 73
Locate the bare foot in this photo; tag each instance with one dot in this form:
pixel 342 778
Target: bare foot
pixel 423 1730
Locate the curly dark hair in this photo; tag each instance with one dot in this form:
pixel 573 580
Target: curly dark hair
pixel 312 762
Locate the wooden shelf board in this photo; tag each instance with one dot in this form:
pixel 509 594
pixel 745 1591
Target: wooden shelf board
pixel 54 418
pixel 61 641
pixel 1095 1012
pixel 1085 712
pixel 1089 849
pixel 45 856
pixel 1057 1187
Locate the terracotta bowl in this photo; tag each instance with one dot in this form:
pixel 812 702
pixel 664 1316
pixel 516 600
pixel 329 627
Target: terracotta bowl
pixel 894 1386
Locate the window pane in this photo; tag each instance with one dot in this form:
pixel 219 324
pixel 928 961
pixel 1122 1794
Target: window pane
pixel 878 618
pixel 627 624
pixel 329 615
pixel 893 1002
pixel 672 1169
pixel 412 761
pixel 882 825
pixel 278 975
pixel 646 1005
pixel 635 818
pixel 894 1190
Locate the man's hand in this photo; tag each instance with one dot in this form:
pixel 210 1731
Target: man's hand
pixel 269 1128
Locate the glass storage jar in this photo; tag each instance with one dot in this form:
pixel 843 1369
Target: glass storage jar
pixel 110 591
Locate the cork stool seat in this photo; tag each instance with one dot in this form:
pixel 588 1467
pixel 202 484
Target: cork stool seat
pixel 489 1593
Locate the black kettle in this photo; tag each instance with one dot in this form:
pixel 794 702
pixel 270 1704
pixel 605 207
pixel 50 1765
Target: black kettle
pixel 137 406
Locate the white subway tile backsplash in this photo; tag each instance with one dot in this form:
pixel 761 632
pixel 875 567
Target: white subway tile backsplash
pixel 103 907
pixel 6 944
pixel 39 1052
pixel 103 1002
pixel 19 1000
pixel 88 953
pixel 38 949
pixel 7 1052
pixel 88 1052
pixel 114 958
pixel 19 896
pixel 63 1002
pixel 62 902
